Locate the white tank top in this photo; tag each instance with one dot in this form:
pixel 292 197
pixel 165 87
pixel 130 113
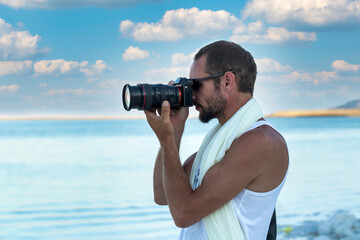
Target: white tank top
pixel 253 210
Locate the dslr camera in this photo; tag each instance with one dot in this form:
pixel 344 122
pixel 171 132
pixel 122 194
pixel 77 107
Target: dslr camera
pixel 150 96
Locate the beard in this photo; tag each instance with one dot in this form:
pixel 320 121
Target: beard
pixel 215 108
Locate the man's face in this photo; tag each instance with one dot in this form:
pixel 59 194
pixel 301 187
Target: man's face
pixel 208 99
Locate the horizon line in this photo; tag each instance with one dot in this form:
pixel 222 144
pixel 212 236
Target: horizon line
pixel 281 113
pixel 94 118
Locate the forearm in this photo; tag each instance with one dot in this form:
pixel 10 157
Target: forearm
pixel 158 187
pixel 168 128
pixel 178 132
pixel 175 182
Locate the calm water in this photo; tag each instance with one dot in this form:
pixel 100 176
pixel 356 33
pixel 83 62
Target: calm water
pixel 93 179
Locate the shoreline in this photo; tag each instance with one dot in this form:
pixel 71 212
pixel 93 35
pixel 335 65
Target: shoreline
pixel 73 118
pixel 279 114
pixel 65 118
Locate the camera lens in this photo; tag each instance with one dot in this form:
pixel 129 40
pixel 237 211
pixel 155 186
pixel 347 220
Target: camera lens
pixel 131 97
pixel 127 98
pixel 150 96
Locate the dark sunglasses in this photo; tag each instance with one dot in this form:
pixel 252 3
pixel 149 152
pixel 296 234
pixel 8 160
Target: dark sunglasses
pixel 213 76
pixel 195 82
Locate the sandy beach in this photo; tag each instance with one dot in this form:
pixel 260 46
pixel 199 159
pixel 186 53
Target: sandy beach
pixel 317 113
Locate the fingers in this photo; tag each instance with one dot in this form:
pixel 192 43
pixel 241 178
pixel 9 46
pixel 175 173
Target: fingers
pixel 150 115
pixel 150 112
pixel 165 112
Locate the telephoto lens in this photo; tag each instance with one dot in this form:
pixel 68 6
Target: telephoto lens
pixel 150 96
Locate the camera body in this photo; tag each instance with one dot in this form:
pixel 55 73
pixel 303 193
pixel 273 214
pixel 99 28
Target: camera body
pixel 150 96
pixel 186 86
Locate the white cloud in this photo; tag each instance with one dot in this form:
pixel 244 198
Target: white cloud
pixel 135 53
pixel 252 27
pixel 10 88
pixel 270 65
pixel 341 65
pixel 296 77
pixel 77 92
pixel 273 35
pixel 314 78
pixel 180 23
pixel 318 13
pixel 57 66
pixel 324 76
pixel 126 27
pixel 61 66
pixel 14 67
pixel 182 59
pixel 145 32
pixel 96 69
pixel 18 44
pixel 71 3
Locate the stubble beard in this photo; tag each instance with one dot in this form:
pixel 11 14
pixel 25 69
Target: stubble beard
pixel 214 109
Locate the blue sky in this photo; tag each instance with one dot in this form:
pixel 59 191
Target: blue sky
pixel 72 58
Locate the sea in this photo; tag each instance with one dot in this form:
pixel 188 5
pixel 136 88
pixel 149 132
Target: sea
pixel 92 179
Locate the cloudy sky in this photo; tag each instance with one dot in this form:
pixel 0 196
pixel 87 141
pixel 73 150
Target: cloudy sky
pixel 73 57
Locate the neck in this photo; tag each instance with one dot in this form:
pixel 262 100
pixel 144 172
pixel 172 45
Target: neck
pixel 233 105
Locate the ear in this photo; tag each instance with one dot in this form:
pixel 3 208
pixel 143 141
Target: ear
pixel 229 82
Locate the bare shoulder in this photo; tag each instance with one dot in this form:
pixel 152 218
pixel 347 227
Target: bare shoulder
pixel 264 151
pixel 267 138
pixel 264 139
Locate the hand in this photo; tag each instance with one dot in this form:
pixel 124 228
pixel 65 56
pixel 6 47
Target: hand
pixel 178 116
pixel 161 124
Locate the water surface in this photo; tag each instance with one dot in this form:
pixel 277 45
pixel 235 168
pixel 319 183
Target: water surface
pixel 93 179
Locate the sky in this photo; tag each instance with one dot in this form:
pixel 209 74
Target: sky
pixel 72 58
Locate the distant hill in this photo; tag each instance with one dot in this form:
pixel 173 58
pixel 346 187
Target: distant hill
pixel 351 104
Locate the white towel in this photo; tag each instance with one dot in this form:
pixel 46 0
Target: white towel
pixel 223 223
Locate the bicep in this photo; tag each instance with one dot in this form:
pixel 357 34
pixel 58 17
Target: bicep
pixel 224 180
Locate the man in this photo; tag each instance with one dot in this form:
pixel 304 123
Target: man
pixel 228 189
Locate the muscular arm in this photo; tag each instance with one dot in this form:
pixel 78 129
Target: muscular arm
pixel 158 187
pixel 159 192
pixel 177 119
pixel 250 162
pixel 245 165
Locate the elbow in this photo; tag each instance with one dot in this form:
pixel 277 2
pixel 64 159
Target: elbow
pixel 183 219
pixel 181 223
pixel 160 201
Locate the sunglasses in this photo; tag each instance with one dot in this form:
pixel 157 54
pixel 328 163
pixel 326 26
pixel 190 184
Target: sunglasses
pixel 196 81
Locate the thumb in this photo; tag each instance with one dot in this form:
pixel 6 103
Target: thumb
pixel 165 111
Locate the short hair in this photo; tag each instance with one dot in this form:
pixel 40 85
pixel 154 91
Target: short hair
pixel 223 56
